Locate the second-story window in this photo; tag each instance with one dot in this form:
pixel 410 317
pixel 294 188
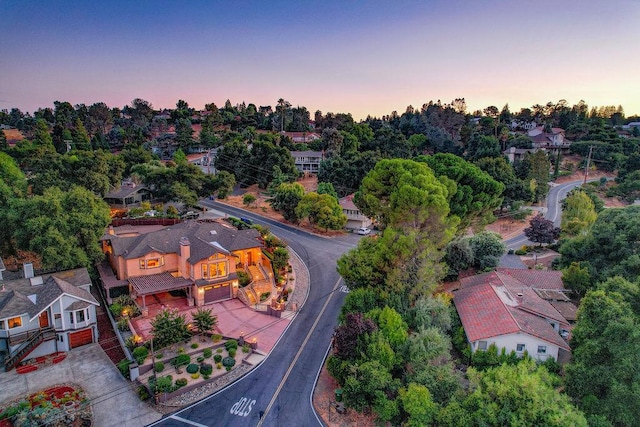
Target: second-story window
pixel 213 270
pixel 152 262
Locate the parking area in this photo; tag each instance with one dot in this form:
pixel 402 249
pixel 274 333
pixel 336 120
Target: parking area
pixel 113 399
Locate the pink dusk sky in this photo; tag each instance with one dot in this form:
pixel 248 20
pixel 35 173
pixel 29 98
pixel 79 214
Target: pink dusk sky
pixel 363 58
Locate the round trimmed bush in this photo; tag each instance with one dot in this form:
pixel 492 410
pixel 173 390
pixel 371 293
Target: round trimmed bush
pixel 194 345
pixel 140 353
pixel 232 352
pixel 158 367
pixel 217 358
pixel 182 360
pixel 192 368
pixel 181 382
pixel 200 359
pixel 207 353
pixel 228 362
pixel 231 344
pixel 195 376
pixel 206 369
pixel 219 365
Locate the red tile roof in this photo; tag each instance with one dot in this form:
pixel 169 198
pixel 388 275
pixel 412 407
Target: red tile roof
pixel 496 303
pixel 482 313
pixel 539 279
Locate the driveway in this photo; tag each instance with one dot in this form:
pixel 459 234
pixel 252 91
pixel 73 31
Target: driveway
pixel 113 399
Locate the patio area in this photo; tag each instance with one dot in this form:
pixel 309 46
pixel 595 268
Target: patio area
pixel 234 319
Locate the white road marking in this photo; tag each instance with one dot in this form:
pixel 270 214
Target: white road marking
pixel 242 407
pixel 183 420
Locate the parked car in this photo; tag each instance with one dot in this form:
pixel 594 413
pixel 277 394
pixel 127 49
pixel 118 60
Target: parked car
pixel 364 231
pixel 190 215
pixel 246 221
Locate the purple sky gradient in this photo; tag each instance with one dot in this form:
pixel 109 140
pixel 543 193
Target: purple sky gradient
pixel 362 58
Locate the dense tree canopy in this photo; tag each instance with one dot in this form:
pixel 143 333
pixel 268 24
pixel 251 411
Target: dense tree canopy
pixel 476 194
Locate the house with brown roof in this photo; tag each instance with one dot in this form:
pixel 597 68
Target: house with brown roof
pixel 200 259
pixel 508 308
pixel 552 138
pixel 129 194
pixel 355 219
pixel 41 315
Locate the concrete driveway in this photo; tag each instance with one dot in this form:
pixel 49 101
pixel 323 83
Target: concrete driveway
pixel 113 399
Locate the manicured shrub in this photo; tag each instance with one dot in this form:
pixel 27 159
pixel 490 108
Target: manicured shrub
pixel 116 310
pixel 206 369
pixel 219 365
pixel 217 358
pixel 162 384
pixel 123 325
pixel 140 353
pixel 194 345
pixel 181 382
pixel 195 376
pixel 158 367
pixel 200 359
pixel 159 355
pixel 246 348
pixel 232 352
pixel 123 367
pixel 207 353
pixel 180 350
pixel 205 377
pixel 192 368
pixel 521 252
pixel 216 337
pixel 231 344
pixel 143 393
pixel 182 360
pixel 228 362
pixel 219 350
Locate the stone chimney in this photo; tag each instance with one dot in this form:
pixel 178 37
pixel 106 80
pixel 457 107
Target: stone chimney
pixel 185 253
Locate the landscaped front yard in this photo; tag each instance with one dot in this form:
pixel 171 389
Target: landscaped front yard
pixel 184 366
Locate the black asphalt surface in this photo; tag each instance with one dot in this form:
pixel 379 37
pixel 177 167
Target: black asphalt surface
pixel 279 391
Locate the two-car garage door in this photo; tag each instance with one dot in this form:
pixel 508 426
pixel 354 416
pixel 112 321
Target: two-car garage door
pixel 77 339
pixel 217 292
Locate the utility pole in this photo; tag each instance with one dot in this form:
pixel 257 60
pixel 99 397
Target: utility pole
pixel 586 168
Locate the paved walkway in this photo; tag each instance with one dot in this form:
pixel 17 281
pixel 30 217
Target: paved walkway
pixel 113 399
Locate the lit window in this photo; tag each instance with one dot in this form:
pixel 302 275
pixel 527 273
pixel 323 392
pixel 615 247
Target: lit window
pixel 152 263
pixel 542 349
pixel 16 322
pixel 520 348
pixel 482 345
pixel 214 269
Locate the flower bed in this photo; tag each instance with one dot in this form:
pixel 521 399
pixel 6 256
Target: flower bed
pixel 60 405
pixel 31 365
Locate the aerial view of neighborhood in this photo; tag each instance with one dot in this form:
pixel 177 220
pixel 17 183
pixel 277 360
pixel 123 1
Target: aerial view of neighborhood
pixel 319 214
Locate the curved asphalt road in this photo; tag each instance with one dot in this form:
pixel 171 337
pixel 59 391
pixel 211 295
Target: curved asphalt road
pixel 552 211
pixel 281 387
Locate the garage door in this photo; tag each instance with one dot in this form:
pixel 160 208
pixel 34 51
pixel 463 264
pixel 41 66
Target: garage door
pixel 217 293
pixel 76 339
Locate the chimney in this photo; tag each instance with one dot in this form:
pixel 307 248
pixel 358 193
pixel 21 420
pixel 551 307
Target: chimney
pixel 27 268
pixel 519 297
pixel 185 253
pixel 112 232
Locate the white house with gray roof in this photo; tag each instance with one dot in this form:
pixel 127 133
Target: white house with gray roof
pixel 40 315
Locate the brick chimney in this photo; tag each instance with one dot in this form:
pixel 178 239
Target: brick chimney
pixel 185 253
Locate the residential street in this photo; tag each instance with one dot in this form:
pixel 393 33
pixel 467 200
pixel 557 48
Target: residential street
pixel 282 386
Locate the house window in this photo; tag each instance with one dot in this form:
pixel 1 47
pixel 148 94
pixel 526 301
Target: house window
pixel 482 345
pixel 15 322
pixel 520 348
pixel 71 317
pixel 152 263
pixel 214 269
pixel 542 349
pixel 2 325
pixel 80 316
